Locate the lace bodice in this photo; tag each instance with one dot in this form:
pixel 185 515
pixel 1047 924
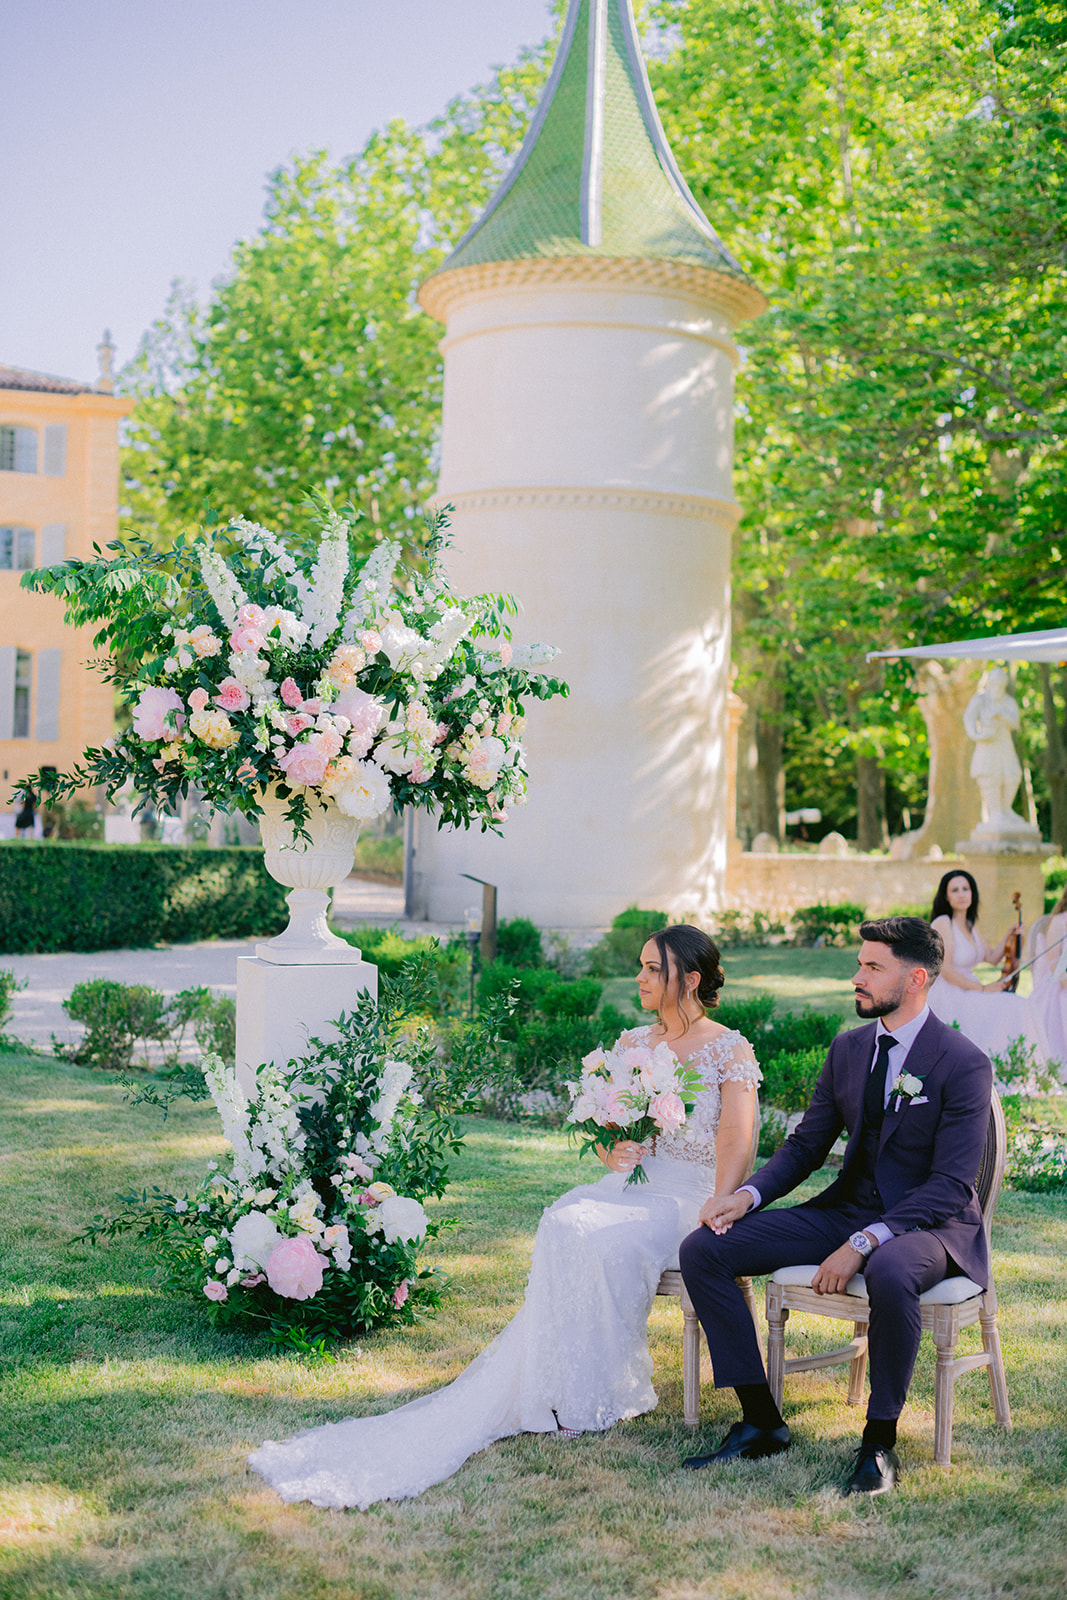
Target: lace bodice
pixel 728 1058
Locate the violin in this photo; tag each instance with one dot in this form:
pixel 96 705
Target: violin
pixel 1013 948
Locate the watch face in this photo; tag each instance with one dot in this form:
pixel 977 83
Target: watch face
pixel 860 1242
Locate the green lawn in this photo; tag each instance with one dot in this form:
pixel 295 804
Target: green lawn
pixel 125 1419
pixel 796 978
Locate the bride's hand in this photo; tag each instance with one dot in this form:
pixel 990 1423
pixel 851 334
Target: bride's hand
pixel 624 1157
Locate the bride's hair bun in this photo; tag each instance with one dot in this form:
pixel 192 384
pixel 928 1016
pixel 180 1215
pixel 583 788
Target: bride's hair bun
pixel 684 949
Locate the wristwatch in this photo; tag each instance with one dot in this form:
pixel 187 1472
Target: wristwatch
pixel 861 1243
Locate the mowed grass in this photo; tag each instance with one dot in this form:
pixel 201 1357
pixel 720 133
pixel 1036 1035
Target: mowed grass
pixel 125 1419
pixel 796 978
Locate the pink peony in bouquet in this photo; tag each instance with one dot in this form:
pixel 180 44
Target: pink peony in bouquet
pixel 632 1091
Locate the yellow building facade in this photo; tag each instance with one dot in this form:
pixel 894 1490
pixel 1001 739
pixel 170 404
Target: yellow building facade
pixel 59 482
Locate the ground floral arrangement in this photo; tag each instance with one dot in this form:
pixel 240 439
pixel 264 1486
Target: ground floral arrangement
pixel 312 1232
pixel 247 664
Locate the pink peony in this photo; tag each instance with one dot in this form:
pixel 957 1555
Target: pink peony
pixel 327 741
pixel 291 695
pixel 304 766
pixel 443 730
pixel 616 1109
pixel 233 696
pixel 365 713
pixel 246 639
pixel 314 706
pixel 298 722
pixel 198 700
pixel 251 616
pixel 250 1283
pixel 667 1111
pixel 400 1294
pixel 295 1269
pixel 150 719
pixel 216 1290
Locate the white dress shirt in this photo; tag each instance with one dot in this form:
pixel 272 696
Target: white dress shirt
pixel 905 1037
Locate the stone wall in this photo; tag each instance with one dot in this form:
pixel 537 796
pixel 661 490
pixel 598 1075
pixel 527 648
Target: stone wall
pixel 778 884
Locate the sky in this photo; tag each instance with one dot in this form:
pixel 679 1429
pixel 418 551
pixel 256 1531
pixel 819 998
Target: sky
pixel 137 134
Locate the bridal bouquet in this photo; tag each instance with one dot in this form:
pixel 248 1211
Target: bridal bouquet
pixel 246 663
pixel 631 1092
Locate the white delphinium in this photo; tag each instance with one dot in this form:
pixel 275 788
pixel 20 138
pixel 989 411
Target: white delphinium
pixel 526 657
pixel 231 1103
pixel 256 533
pixel 452 626
pixel 222 586
pixel 375 582
pixel 394 1084
pixel 321 605
pixel 277 1131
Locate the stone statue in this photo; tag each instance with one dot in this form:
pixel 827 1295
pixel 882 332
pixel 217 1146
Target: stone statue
pixel 989 719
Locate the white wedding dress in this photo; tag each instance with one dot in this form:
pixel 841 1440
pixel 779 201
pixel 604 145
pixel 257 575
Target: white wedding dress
pixel 577 1351
pixel 991 1021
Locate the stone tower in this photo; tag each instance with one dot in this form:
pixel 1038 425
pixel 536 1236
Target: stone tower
pixel 587 451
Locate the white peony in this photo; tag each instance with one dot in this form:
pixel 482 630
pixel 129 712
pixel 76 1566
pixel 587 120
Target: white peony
pixel 401 1218
pixel 367 793
pixel 253 1238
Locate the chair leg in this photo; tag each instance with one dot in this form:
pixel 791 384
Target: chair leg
pixel 745 1286
pixel 998 1383
pixel 857 1367
pixel 777 1317
pixel 690 1363
pixel 946 1337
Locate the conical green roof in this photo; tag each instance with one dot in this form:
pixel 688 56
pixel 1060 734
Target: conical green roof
pixel 595 176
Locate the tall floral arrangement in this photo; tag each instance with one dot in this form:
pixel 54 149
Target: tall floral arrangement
pixel 311 1229
pixel 246 663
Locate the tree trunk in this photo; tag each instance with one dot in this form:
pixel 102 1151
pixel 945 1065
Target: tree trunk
pixel 871 830
pixel 770 773
pixel 1055 761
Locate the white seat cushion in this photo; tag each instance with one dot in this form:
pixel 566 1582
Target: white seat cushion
pixel 949 1292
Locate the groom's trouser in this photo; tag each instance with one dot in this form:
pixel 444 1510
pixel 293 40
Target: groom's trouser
pixel 896 1273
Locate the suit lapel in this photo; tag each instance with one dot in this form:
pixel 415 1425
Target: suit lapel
pixel 861 1050
pixel 923 1058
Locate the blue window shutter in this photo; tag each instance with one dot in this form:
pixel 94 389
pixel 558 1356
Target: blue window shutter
pixel 26 449
pixel 7 691
pixel 53 544
pixel 55 450
pixel 47 724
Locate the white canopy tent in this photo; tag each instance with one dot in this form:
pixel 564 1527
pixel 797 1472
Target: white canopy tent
pixel 1050 645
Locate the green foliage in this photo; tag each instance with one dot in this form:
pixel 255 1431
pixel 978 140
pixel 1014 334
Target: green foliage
pixel 740 929
pixel 518 943
pixel 1037 1150
pixel 102 897
pixel 118 1016
pixel 380 858
pixel 619 952
pixel 790 1047
pixel 9 986
pixel 837 924
pixel 1055 870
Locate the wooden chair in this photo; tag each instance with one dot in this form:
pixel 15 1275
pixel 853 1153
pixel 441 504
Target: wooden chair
pixel 948 1307
pixel 672 1283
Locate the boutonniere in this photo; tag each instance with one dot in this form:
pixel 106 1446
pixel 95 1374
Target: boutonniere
pixel 909 1089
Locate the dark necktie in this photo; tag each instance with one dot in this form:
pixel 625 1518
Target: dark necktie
pixel 874 1094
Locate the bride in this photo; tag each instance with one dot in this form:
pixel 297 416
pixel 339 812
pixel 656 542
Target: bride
pixel 575 1357
pixel 988 1017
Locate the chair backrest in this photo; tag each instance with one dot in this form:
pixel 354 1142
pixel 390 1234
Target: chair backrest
pixel 1035 936
pixel 991 1167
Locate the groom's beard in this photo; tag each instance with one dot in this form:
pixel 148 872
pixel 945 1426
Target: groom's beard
pixel 868 1008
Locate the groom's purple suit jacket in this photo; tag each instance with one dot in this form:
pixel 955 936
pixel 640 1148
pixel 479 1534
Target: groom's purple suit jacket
pixel 928 1154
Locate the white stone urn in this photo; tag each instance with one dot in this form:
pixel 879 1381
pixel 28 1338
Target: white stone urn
pixel 309 870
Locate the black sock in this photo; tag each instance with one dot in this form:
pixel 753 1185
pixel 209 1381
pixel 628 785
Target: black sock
pixel 757 1405
pixel 880 1433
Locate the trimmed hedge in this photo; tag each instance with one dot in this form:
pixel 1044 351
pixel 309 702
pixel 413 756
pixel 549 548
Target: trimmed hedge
pixel 59 896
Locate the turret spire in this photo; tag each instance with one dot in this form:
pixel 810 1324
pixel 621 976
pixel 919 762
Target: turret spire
pixel 595 175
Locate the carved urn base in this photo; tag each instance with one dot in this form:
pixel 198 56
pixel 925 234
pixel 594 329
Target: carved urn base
pixel 309 870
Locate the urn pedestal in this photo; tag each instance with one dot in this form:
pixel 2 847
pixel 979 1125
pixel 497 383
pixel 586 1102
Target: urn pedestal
pixel 299 982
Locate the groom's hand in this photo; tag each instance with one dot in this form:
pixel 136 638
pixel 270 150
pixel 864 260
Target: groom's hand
pixel 723 1210
pixel 834 1274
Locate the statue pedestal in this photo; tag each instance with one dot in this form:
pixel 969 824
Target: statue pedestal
pixel 1001 868
pixel 280 1007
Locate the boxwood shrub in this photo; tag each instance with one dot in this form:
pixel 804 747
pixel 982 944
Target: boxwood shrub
pixel 59 896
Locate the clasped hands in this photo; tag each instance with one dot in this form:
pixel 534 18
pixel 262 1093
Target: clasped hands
pixel 723 1210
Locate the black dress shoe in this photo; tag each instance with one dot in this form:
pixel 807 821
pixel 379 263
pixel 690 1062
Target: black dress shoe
pixel 875 1471
pixel 745 1443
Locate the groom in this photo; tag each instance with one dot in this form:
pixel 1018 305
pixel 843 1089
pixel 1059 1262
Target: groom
pixel 914 1096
